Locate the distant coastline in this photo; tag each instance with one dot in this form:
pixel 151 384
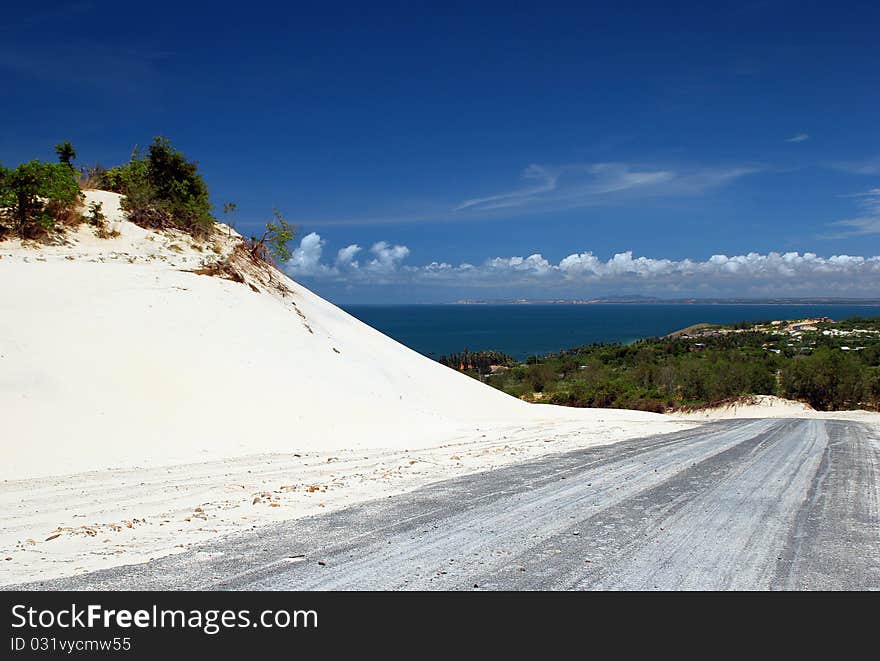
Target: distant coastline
pixel 648 300
pixel 534 329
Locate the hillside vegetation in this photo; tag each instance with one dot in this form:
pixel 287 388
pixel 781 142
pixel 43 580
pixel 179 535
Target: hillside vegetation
pixel 831 366
pixel 161 189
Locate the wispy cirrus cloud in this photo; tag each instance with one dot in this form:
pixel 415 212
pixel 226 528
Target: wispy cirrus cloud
pixel 544 177
pixel 570 186
pixel 800 137
pixel 578 185
pixel 868 222
pixel 774 271
pixel 869 166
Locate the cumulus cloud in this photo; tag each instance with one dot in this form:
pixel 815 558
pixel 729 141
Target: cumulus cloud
pixel 751 266
pixel 345 258
pixel 773 272
pixel 533 264
pixel 306 259
pixel 388 257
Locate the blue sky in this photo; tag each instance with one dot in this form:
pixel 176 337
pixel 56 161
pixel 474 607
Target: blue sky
pixel 465 150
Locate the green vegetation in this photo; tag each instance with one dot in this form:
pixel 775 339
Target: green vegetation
pixel 229 209
pixel 275 242
pixel 162 190
pixel 36 196
pixel 96 215
pixel 66 153
pixel 97 219
pixel 834 367
pixel 481 362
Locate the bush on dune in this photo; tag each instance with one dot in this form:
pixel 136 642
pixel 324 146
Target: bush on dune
pixel 36 196
pixel 162 189
pixel 274 244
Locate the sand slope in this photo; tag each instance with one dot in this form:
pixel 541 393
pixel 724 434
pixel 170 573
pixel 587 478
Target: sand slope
pixel 113 354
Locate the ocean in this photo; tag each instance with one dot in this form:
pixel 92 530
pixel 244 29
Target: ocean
pixel 525 330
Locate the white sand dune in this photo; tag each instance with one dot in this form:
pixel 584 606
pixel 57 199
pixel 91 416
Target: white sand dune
pixel 113 355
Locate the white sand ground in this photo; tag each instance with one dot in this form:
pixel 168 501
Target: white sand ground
pixel 146 407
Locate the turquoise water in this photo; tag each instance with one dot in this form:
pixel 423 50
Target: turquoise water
pixel 524 330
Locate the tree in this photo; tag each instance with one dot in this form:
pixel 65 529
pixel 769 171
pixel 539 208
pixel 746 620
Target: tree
pixel 828 379
pixel 274 244
pixel 66 153
pixel 540 376
pixel 35 195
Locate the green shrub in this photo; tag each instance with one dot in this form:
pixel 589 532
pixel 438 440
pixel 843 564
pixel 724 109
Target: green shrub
pixel 35 196
pixel 162 189
pixel 275 242
pixel 96 215
pixel 540 376
pixel 828 380
pixel 107 178
pixel 5 199
pixel 97 219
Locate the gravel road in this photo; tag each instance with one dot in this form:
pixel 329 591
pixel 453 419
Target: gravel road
pixel 740 504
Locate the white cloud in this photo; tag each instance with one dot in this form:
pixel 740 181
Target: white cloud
pixel 345 258
pixel 773 272
pixel 616 177
pixel 800 137
pixel 306 259
pixel 533 264
pixel 388 257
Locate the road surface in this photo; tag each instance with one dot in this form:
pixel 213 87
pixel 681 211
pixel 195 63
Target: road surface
pixel 739 504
